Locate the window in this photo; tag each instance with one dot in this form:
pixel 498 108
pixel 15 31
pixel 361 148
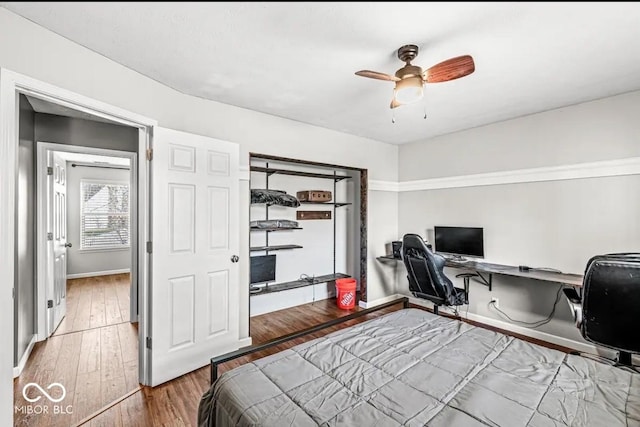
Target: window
pixel 104 215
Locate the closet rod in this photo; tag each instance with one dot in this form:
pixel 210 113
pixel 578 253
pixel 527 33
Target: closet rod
pixel 88 165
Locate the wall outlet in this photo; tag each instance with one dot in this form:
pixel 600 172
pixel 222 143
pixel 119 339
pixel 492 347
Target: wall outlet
pixel 496 302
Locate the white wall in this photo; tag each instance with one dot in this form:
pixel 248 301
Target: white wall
pixel 39 53
pixel 91 261
pixel 604 129
pixel 557 224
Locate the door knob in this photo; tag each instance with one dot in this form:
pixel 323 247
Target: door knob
pixel 234 258
pixel 67 245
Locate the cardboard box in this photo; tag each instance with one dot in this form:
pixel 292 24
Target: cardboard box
pixel 314 196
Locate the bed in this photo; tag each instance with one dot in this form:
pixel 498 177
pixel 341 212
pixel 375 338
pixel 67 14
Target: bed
pixel 414 368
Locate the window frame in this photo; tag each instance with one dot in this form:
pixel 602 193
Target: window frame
pixel 81 216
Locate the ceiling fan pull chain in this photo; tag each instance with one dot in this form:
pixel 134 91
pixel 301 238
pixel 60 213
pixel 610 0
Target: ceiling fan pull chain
pixel 393 116
pixel 424 105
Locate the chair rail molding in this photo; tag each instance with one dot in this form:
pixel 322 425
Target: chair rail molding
pixel 243 173
pixel 392 186
pixel 599 169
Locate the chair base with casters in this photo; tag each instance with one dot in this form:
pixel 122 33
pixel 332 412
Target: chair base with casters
pixel 605 313
pixel 462 295
pixel 425 272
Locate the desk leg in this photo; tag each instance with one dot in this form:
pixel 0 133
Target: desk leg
pixel 487 281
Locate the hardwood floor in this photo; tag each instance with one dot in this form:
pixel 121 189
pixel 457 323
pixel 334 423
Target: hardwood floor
pixel 94 302
pixel 176 403
pixel 96 361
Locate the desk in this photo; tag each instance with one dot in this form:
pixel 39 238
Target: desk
pixel 480 267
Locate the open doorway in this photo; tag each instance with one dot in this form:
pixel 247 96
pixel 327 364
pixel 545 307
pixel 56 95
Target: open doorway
pixel 95 238
pixel 81 180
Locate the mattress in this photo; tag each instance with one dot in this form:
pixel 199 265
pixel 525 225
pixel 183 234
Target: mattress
pixel 414 368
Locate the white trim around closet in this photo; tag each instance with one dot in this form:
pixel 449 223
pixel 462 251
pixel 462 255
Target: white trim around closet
pixel 605 168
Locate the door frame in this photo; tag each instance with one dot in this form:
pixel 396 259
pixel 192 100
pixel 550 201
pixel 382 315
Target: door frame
pixel 13 84
pixel 42 149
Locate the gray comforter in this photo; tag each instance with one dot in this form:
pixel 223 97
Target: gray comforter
pixel 414 368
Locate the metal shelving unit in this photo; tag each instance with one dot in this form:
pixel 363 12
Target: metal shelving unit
pixel 275 229
pixel 273 248
pixel 285 286
pixel 336 204
pixel 269 171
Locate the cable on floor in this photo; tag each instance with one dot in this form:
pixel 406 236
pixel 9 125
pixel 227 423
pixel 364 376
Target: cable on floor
pixel 531 324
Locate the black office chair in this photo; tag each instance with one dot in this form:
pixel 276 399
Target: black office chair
pixel 426 276
pixel 607 312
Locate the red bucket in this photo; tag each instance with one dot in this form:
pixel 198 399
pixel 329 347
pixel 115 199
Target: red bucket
pixel 346 293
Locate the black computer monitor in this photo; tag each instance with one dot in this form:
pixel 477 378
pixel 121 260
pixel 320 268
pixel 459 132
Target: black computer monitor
pixel 262 269
pixel 460 241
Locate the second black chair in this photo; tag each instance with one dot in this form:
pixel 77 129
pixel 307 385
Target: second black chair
pixel 606 313
pixel 426 276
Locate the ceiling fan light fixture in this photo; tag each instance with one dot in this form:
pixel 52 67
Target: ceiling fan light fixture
pixel 409 90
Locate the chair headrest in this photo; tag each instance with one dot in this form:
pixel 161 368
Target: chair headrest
pixel 413 241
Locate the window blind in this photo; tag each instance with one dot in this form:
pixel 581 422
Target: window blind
pixel 104 215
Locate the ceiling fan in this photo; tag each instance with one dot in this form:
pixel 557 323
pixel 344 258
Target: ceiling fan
pixel 410 78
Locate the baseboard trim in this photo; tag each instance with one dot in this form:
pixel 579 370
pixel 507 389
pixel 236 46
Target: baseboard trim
pixel 17 370
pixel 98 273
pixel 532 333
pixel 369 304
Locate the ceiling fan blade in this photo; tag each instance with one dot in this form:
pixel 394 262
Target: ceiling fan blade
pixel 394 104
pixel 377 75
pixel 450 69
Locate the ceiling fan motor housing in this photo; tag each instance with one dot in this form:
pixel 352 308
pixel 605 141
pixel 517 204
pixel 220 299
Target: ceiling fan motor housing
pixel 408 53
pixel 409 71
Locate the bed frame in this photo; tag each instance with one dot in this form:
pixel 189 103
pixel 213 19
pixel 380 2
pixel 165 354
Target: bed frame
pixel 215 361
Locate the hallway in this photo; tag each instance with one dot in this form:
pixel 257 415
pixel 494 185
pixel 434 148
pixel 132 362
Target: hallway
pixel 93 354
pixel 93 302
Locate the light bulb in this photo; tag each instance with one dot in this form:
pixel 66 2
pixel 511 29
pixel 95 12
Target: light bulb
pixel 409 90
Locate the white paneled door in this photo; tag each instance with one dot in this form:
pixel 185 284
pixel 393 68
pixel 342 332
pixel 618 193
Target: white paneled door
pixel 57 237
pixel 194 290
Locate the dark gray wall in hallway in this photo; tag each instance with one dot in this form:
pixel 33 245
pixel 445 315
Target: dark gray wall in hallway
pixel 72 131
pixel 24 301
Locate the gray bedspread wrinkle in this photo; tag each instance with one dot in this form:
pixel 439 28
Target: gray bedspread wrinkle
pixel 413 368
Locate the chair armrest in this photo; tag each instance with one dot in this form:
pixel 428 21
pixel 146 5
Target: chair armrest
pixel 575 303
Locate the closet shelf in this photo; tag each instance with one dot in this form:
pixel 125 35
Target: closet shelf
pixel 284 286
pixel 272 171
pixel 336 204
pixel 274 248
pixel 275 229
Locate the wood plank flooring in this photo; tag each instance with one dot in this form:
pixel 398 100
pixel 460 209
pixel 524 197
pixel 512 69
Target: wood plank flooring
pixel 96 360
pixel 176 403
pixel 94 302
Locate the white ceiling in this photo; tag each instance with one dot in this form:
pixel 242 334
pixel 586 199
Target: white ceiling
pixel 297 60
